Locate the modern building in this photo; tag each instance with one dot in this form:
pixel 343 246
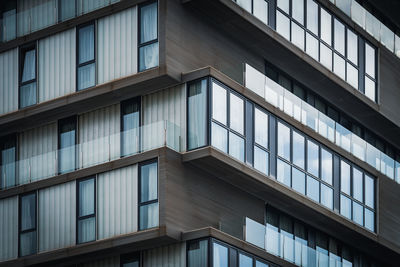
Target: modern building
pixel 200 133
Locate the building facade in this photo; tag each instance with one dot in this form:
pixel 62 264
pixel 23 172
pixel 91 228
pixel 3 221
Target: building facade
pixel 199 133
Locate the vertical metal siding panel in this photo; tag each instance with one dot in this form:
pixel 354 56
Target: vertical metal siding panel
pixel 57 65
pixel 167 256
pixel 37 153
pixel 117 202
pixel 9 81
pixel 57 216
pixel 169 105
pixel 8 228
pixel 117 45
pixel 99 135
pixel 108 262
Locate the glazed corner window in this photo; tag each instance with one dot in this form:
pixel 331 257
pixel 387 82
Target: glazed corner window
pixel 8 161
pixel 197 253
pixel 130 112
pixel 148 36
pixel 197 114
pixel 130 260
pixel 86 210
pixel 27 82
pixel 261 152
pixel 148 195
pixel 8 20
pixel 27 224
pixel 66 145
pixel 66 9
pixel 86 63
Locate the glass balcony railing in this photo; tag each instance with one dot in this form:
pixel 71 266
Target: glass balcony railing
pixel 92 152
pixel 309 116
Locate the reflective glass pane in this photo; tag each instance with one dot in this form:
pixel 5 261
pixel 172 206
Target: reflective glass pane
pixel 345 177
pixel 236 113
pixel 312 158
pixel 236 146
pixel 245 4
pixel 369 191
pixel 352 75
pixel 148 56
pixel 67 147
pixel 339 37
pixel 86 197
pixel 283 141
pixel 260 10
pixel 358 213
pixel 219 137
pixel 339 66
pixel 148 182
pixel 148 23
pixel 29 67
pixel 352 47
pixel 282 25
pixel 283 172
pixel 284 5
pixel 67 9
pixel 345 206
pixel 357 184
pixel 7 165
pixel 87 230
pixel 327 196
pixel 297 36
pixel 312 188
pixel 369 220
pixel 9 24
pixel 27 95
pixel 370 88
pixel 220 255
pixel 28 212
pixel 130 126
pixel 325 56
pixel 27 244
pixel 197 253
pixel 298 10
pixel 261 160
pixel 369 60
pixel 148 216
pixel 197 115
pixel 86 44
pixel 245 261
pixel 261 128
pixel 312 46
pixel 219 105
pixel 298 181
pixel 326 166
pixel 86 76
pixel 298 149
pixel 326 27
pixel 312 16
pixel 261 264
pixel 345 6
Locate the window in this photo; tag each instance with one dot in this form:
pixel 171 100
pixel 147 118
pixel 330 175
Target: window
pixel 261 152
pixel 148 36
pixel 8 20
pixel 312 158
pixel 245 4
pixel 27 85
pixel 67 145
pixel 298 148
pixel 86 63
pixel 148 195
pixel 8 157
pixel 312 16
pixel 130 123
pixel 27 224
pixel 197 114
pixel 283 141
pixel 326 27
pixel 245 261
pixel 261 10
pixel 66 9
pixel 197 253
pixel 370 79
pixel 298 11
pixel 130 260
pixel 220 255
pixel 86 210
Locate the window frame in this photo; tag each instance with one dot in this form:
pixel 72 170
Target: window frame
pixel 21 57
pixel 12 138
pixel 20 232
pixel 79 65
pixel 80 218
pixel 60 122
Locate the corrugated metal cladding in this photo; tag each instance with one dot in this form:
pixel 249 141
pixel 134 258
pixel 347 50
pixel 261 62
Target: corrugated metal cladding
pixel 34 15
pixel 9 81
pixel 108 262
pixel 99 138
pixel 85 6
pixel 117 202
pixel 170 105
pixel 38 153
pixel 117 45
pixel 168 256
pixel 57 65
pixel 8 228
pixel 57 216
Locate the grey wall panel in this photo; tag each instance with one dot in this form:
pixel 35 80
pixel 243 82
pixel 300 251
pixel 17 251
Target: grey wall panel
pixel 168 256
pixel 9 81
pixel 34 15
pixel 85 6
pixel 108 262
pixel 37 153
pixel 99 138
pixel 117 202
pixel 57 65
pixel 57 216
pixel 167 105
pixel 117 45
pixel 8 228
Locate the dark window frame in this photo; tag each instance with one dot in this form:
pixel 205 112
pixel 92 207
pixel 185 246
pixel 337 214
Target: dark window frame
pixel 137 100
pixel 149 202
pixel 72 119
pixel 79 65
pixel 21 57
pixel 20 232
pixel 140 44
pixel 94 215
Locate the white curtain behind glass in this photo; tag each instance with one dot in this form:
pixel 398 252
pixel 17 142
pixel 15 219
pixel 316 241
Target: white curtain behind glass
pixel 148 23
pixel 131 133
pixel 86 44
pixel 149 182
pixel 197 114
pixel 86 197
pixel 8 167
pixel 28 207
pixel 28 72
